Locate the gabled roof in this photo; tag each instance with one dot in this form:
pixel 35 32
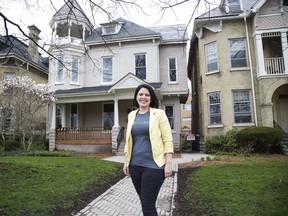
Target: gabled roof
pixel 128 31
pixel 132 81
pixel 220 10
pixel 11 46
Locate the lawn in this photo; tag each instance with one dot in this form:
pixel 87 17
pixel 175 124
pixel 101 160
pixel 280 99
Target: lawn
pixel 245 188
pixel 48 185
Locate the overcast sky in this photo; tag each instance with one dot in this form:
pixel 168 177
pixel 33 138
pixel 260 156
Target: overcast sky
pixel 40 12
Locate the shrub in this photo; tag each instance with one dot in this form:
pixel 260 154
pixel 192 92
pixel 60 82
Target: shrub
pixel 11 145
pixel 259 139
pixel 186 145
pixel 215 144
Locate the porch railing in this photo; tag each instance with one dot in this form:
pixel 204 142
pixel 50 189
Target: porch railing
pixel 83 133
pixel 274 65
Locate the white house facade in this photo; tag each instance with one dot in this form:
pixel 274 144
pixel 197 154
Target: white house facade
pixel 94 73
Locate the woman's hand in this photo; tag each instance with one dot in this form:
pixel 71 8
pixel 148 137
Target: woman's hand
pixel 126 169
pixel 168 169
pixel 168 165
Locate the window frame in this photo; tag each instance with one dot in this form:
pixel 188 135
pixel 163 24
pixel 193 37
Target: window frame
pixel 75 69
pixel 170 118
pixel 238 51
pixel 60 69
pixel 217 103
pixel 138 69
pixel 110 75
pixel 209 54
pixel 242 114
pixel 172 69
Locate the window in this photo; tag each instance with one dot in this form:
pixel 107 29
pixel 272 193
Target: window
pixel 60 69
pixel 140 66
pixel 8 76
pixel 172 70
pixel 242 106
pixel 75 69
pixel 6 116
pixel 214 101
pixel 108 116
pixel 211 57
pixel 170 115
pixel 110 29
pixel 238 53
pixel 58 116
pixel 234 5
pixel 107 69
pixel 74 118
pixel 285 2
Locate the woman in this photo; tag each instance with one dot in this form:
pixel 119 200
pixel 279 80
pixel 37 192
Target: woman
pixel 148 149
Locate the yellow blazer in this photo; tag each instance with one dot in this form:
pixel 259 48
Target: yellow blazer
pixel 159 132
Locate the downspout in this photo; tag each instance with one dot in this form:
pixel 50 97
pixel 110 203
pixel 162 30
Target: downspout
pixel 251 72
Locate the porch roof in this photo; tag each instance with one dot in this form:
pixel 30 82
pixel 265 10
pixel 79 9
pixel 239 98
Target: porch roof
pixel 90 89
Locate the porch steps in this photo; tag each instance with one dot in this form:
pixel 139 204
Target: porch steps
pixel 284 145
pixel 120 151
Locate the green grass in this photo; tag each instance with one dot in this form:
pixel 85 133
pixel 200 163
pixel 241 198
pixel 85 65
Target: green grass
pixel 240 189
pixel 37 185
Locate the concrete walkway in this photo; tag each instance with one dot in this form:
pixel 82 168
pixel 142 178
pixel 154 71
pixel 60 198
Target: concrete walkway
pixel 122 200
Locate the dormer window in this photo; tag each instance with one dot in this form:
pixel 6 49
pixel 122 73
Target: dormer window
pixel 111 28
pixel 233 6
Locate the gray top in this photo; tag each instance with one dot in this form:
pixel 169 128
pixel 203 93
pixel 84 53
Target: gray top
pixel 142 152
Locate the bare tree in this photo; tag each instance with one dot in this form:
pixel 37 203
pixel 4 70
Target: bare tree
pixel 111 9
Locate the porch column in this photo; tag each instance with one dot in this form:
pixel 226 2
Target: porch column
pixel 52 132
pixel 259 55
pixel 116 113
pixel 285 49
pixel 116 126
pixel 63 115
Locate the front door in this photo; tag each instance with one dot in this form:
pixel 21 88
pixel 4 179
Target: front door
pixel 108 116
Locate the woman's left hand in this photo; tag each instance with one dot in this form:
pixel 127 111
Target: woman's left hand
pixel 168 170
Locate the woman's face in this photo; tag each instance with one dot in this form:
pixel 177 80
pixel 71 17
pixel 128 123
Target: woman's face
pixel 143 98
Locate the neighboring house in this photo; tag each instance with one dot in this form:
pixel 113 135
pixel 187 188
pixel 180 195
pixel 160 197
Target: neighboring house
pixel 238 66
pixel 19 59
pixel 97 71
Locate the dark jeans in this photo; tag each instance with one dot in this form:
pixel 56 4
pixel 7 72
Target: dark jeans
pixel 147 183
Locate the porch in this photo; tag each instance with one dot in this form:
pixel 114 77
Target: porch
pixel 83 136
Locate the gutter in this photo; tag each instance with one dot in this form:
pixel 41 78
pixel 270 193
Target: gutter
pixel 251 71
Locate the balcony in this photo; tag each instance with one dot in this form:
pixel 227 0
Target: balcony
pixel 274 66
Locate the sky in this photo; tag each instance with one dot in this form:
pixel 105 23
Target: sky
pixel 40 12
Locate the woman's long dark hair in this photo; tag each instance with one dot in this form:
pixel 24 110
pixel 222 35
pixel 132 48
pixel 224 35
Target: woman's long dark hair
pixel 154 100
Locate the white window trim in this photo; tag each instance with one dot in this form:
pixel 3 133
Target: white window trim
pixel 206 59
pixel 251 107
pixel 176 70
pixel 209 112
pixel 246 54
pixel 57 81
pixel 102 80
pixel 71 75
pixel 137 54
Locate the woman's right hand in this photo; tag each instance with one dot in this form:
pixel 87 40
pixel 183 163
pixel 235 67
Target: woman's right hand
pixel 126 169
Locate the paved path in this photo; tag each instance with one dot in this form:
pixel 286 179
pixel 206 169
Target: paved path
pixel 122 200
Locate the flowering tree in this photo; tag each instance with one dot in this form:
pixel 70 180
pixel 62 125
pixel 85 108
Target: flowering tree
pixel 23 105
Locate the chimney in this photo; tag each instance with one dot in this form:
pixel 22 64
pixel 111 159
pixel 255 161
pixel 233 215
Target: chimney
pixel 32 48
